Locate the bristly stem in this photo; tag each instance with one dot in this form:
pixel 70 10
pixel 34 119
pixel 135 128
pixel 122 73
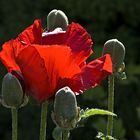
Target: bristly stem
pixel 14 112
pixel 110 104
pixel 43 123
pixel 65 134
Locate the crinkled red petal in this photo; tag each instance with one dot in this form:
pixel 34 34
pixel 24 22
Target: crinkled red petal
pixel 8 54
pixel 95 71
pixel 54 39
pixel 77 38
pixel 43 67
pixel 79 41
pixel 32 34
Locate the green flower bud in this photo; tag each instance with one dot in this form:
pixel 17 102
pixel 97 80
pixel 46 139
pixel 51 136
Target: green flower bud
pixel 117 51
pixel 12 93
pixel 55 19
pixel 66 112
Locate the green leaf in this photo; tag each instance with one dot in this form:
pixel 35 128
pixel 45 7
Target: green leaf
pixel 95 111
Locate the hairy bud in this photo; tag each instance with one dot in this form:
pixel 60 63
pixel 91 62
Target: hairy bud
pixel 117 51
pixel 55 19
pixel 66 112
pixel 12 92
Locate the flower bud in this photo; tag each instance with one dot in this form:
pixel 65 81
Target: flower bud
pixel 117 51
pixel 65 109
pixel 12 93
pixel 55 19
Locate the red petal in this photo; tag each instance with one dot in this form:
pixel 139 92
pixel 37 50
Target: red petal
pixel 94 72
pixel 32 34
pixel 43 67
pixel 9 53
pixel 75 83
pixel 79 41
pixel 54 39
pixel 76 37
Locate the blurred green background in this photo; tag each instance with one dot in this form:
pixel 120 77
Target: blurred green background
pixel 103 19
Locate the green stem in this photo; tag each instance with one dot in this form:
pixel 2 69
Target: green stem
pixel 43 122
pixel 14 112
pixel 110 104
pixel 65 134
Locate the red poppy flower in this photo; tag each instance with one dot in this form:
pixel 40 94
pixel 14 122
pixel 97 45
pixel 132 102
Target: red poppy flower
pixel 50 61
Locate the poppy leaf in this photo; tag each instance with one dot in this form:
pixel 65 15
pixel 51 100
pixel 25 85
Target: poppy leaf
pixel 95 111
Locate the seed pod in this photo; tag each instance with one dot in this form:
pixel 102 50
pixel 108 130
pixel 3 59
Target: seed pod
pixel 117 51
pixel 12 93
pixel 55 19
pixel 65 109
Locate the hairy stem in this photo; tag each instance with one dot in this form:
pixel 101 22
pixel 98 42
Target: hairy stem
pixel 14 112
pixel 43 122
pixel 110 104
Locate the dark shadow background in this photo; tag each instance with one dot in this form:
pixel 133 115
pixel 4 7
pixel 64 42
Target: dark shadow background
pixel 103 19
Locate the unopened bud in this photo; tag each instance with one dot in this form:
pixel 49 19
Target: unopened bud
pixel 55 19
pixel 65 109
pixel 117 51
pixel 12 92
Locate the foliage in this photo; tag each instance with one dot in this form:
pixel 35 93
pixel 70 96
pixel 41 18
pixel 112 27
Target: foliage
pixel 95 111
